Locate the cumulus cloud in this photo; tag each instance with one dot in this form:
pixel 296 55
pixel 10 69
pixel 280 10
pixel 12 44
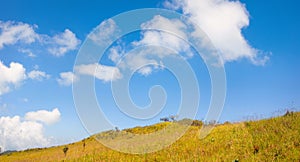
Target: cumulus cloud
pixel 157 38
pixel 16 32
pixel 222 21
pixel 67 78
pixel 12 33
pixel 38 75
pixel 101 72
pixel 18 134
pixel 172 36
pixel 153 43
pixel 44 116
pixel 22 133
pixel 63 43
pixel 11 76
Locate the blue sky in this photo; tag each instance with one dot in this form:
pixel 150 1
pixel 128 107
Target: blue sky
pixel 259 45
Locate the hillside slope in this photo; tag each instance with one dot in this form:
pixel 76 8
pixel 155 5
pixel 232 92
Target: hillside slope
pixel 275 139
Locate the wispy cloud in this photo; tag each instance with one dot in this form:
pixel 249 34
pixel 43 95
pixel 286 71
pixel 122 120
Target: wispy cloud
pixel 38 75
pixel 28 52
pixel 101 72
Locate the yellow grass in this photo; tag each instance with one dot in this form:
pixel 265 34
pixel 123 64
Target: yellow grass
pixel 275 139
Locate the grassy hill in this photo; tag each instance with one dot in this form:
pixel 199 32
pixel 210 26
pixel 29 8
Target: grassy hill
pixel 274 139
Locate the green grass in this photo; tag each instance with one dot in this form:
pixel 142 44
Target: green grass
pixel 274 139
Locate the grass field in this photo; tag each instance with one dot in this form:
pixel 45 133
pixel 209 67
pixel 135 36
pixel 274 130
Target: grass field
pixel 274 139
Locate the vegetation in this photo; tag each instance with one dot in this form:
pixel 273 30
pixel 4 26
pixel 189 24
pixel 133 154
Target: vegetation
pixel 65 150
pixel 274 139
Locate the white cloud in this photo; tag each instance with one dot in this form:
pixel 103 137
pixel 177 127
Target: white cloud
pixel 104 32
pixel 44 116
pixel 101 72
pixel 67 78
pixel 63 43
pixel 38 75
pixel 157 38
pixel 11 76
pixel 12 33
pixel 152 46
pixel 172 38
pixel 222 21
pixel 16 32
pixel 172 35
pixel 18 134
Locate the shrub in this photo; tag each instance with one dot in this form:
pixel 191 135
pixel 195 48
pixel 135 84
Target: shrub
pixel 65 150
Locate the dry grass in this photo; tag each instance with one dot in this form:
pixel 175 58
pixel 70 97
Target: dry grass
pixel 275 139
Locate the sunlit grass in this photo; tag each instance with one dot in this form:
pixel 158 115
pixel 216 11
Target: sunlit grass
pixel 275 139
